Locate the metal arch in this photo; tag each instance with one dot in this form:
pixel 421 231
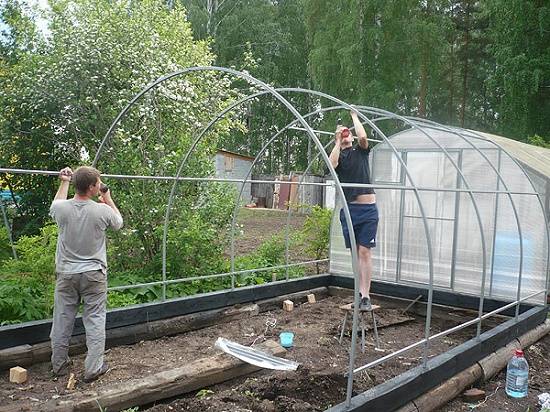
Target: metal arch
pixel 252 80
pixel 474 203
pixel 8 228
pixel 262 150
pixel 345 208
pixel 514 208
pixel 352 235
pixel 459 133
pixel 478 215
pixel 300 181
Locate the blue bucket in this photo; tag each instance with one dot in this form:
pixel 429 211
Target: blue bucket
pixel 286 339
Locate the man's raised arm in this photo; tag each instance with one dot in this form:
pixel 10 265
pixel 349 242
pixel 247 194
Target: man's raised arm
pixel 65 177
pixel 360 131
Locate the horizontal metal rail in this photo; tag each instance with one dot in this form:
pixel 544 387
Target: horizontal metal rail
pixel 218 275
pixel 331 133
pixel 444 333
pixel 219 179
pixel 447 219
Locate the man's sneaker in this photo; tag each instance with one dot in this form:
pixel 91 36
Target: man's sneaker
pixel 63 370
pixel 360 299
pixel 96 375
pixel 365 304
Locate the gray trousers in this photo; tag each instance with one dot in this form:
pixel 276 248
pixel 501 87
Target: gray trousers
pixel 70 289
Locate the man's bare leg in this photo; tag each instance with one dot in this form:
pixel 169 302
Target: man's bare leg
pixel 365 270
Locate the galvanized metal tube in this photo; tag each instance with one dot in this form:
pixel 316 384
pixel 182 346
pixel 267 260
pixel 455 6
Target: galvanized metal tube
pixel 218 275
pixel 222 180
pixel 8 228
pixel 478 217
pixel 495 222
pixel 352 235
pixel 455 225
pixel 443 333
pixel 516 215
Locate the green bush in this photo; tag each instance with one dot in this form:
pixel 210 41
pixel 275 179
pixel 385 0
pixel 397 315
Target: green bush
pixel 27 284
pixel 5 246
pixel 316 233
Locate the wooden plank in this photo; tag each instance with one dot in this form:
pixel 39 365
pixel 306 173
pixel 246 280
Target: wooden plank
pixel 188 378
pixel 41 352
pixel 449 389
pixel 347 307
pixel 38 331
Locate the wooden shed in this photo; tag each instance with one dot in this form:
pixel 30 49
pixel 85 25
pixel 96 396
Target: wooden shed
pixel 234 166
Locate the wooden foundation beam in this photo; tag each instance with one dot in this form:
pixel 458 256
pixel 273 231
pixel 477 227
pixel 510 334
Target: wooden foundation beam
pixel 188 378
pixel 26 355
pixel 480 371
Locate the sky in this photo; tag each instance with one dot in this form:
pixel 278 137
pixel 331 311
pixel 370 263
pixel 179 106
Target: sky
pixel 41 23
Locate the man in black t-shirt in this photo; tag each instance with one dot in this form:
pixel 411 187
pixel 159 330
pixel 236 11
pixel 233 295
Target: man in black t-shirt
pixel 351 163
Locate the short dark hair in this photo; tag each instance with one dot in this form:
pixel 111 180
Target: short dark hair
pixel 84 177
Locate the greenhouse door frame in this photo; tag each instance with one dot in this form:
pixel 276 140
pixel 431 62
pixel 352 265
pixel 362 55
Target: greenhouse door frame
pixel 398 273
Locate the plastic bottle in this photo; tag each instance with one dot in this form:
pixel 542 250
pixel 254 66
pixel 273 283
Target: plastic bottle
pixel 517 375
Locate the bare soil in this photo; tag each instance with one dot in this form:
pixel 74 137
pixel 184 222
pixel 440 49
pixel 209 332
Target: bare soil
pixel 496 398
pixel 257 225
pixel 318 383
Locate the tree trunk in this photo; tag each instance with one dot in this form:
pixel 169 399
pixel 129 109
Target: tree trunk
pixel 211 9
pixel 423 87
pixel 466 65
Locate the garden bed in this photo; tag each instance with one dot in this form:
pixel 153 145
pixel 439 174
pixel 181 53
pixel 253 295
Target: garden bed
pixel 318 383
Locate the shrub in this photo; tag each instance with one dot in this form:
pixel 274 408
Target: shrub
pixel 5 246
pixel 316 233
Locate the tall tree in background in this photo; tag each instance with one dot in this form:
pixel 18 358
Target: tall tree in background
pixel 520 82
pixel 266 39
pixel 58 101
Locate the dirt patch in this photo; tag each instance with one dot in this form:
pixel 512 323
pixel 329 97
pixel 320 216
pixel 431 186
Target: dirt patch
pixel 258 225
pixel 497 400
pixel 317 384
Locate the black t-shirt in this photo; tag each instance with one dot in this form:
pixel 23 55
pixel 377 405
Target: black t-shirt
pixel 353 167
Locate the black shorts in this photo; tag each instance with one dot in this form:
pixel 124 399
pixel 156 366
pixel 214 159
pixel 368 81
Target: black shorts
pixel 364 217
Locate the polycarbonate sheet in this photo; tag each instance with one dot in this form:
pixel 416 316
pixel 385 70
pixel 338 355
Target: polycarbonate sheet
pixel 455 228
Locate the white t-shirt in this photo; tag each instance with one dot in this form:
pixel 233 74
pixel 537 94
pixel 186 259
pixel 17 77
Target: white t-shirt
pixel 81 245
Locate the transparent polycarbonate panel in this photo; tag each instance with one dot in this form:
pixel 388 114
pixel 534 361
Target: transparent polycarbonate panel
pixel 416 139
pixel 385 167
pixel 455 226
pixel 385 253
pixel 414 261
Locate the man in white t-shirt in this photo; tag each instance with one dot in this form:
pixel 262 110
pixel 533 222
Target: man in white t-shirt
pixel 81 267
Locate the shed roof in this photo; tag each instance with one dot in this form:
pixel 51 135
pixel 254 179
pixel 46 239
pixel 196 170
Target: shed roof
pixel 233 154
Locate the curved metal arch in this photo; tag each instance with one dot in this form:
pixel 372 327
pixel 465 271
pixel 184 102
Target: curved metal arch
pixel 251 80
pixel 263 149
pixel 474 135
pixel 345 208
pixel 474 202
pixel 472 197
pixel 353 245
pixel 249 172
